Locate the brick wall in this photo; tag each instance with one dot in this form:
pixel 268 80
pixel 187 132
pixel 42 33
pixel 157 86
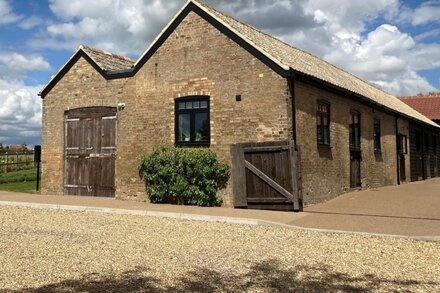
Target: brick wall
pixel 196 59
pixel 326 170
pixel 82 86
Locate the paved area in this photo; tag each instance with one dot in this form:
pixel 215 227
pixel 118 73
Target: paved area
pixel 408 210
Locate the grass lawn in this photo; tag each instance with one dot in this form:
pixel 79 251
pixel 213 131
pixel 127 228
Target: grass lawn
pixel 27 187
pixel 18 176
pixel 19 181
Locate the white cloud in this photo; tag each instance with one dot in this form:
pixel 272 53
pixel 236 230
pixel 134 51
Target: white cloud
pixel 125 27
pixel 31 22
pixel 13 65
pixel 426 13
pixel 20 106
pixel 389 59
pixel 335 32
pixel 6 13
pixel 20 113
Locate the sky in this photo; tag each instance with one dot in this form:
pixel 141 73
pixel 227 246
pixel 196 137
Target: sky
pixel 394 45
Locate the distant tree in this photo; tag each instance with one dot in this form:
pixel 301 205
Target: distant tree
pixel 23 148
pixel 434 94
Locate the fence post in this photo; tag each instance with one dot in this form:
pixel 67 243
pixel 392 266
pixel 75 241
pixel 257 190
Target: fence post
pixel 37 158
pixel 238 174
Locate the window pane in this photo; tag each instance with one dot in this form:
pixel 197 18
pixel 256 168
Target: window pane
pixel 189 105
pixel 201 126
pixel 326 135
pixel 196 104
pixel 181 105
pixel 204 104
pixel 184 127
pixel 319 135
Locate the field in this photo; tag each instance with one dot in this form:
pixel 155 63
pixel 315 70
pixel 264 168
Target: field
pixel 19 181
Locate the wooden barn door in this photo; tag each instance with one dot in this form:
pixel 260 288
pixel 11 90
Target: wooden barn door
pixel 90 152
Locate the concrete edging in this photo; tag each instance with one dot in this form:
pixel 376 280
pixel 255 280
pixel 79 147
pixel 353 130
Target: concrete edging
pixel 206 218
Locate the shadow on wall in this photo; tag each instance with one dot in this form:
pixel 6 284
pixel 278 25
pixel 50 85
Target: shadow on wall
pixel 267 275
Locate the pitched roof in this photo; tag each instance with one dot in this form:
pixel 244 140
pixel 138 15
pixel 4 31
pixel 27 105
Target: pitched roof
pixel 427 105
pixel 308 64
pixel 108 61
pixel 284 56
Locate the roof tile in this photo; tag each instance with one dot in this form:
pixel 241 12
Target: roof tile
pixel 427 105
pixel 108 61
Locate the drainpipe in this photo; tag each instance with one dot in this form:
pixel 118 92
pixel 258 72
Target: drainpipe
pixel 397 150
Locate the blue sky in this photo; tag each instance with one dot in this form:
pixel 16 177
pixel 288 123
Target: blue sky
pixel 392 44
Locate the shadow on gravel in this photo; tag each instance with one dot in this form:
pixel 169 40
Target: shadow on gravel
pixel 266 275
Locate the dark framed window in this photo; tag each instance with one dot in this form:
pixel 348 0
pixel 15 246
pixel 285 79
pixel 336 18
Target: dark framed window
pixel 403 145
pixel 192 121
pixel 376 135
pixel 355 131
pixel 323 123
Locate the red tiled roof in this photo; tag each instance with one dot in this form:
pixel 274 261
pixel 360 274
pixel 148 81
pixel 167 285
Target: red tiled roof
pixel 427 105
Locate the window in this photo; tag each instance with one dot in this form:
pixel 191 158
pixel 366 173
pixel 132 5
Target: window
pixel 402 147
pixel 434 143
pixel 323 123
pixel 355 131
pixel 376 135
pixel 192 121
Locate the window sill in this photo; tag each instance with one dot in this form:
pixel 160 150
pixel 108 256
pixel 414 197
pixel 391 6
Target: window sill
pixel 192 144
pixel 325 146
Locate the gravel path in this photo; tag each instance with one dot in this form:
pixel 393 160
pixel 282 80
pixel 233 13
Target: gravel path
pixel 65 251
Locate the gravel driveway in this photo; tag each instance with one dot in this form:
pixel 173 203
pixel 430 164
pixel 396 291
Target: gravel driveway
pixel 65 251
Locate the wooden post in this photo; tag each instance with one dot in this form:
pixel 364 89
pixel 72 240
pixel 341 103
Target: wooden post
pixel 238 176
pixel 299 177
pixel 294 175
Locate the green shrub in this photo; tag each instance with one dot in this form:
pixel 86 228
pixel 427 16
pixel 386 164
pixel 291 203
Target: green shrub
pixel 183 176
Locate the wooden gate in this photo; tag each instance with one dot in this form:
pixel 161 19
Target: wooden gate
pixel 265 176
pixel 90 151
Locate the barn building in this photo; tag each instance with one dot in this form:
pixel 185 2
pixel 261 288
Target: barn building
pixel 211 81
